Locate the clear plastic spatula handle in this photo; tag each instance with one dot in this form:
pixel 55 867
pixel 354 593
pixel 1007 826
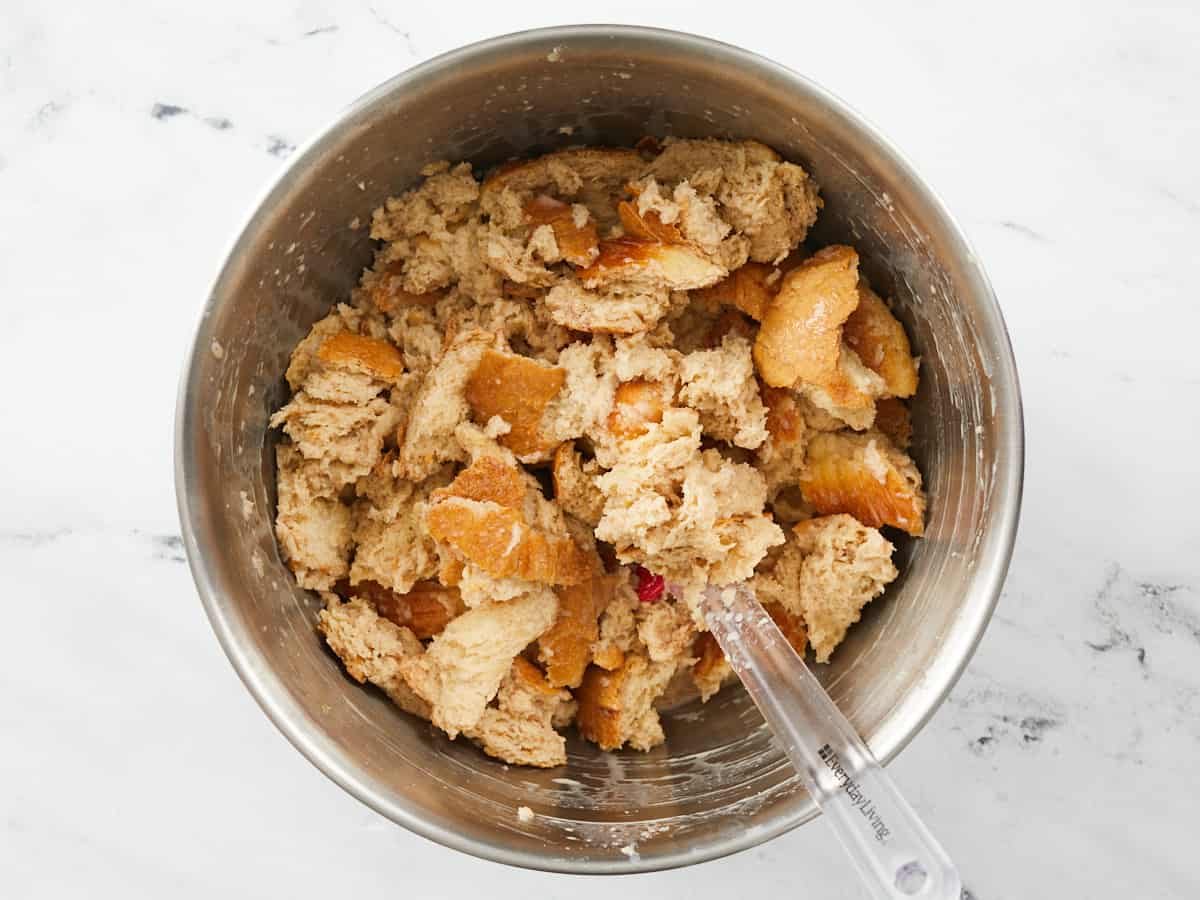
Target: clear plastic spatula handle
pixel 894 852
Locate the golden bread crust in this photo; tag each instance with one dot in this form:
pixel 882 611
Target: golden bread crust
pixel 866 476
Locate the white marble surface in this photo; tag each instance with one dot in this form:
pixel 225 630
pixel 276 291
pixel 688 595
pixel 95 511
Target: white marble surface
pixel 132 136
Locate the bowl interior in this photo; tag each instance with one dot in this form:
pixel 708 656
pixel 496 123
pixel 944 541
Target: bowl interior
pixel 720 783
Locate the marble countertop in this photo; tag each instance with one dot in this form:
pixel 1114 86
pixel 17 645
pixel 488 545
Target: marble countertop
pixel 133 763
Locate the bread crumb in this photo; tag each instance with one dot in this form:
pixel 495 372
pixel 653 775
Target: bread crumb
pixel 524 813
pixel 496 427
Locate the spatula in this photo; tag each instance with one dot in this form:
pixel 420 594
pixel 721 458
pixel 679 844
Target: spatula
pixel 892 850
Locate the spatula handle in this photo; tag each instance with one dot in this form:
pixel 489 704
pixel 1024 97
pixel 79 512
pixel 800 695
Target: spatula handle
pixel 890 846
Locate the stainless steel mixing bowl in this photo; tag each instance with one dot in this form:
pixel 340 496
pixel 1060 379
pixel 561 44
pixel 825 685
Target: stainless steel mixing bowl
pixel 719 784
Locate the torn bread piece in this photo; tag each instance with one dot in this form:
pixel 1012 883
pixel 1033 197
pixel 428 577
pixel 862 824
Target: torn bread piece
pixel 800 342
pixel 383 288
pixel 460 672
pixel 591 176
pixel 749 288
pixel 575 485
pixel 618 628
pixel 720 385
pixel 646 218
pixel 492 518
pixel 866 476
pixel 393 547
pixel 373 649
pixel 566 648
pixel 419 338
pixel 682 216
pixel 501 544
pixel 801 333
pixel 586 396
pixel 650 265
pixel 628 286
pixel 520 728
pixel 518 390
pixel 881 343
pixel 574 228
pixel 518 325
pixel 524 260
pixel 617 309
pixel 845 565
pixel 445 197
pixel 345 409
pixel 347 353
pixel 314 532
pixel 771 202
pixel 689 515
pixel 425 609
pixel 343 441
pixel 344 318
pixel 432 234
pixel 440 406
pixel 852 399
pixel 667 631
pixel 617 708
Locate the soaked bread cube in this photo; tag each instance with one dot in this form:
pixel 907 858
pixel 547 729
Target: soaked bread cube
pixel 880 342
pixel 313 531
pixel 866 476
pixel 440 406
pixel 518 390
pixel 460 672
pixel 520 727
pixel 801 334
pixel 425 610
pixel 749 288
pixel 485 516
pixel 720 385
pixel 574 228
pixel 617 708
pixel 575 485
pixel 770 202
pixel 566 648
pixel 393 547
pixel 373 649
pixel 845 566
